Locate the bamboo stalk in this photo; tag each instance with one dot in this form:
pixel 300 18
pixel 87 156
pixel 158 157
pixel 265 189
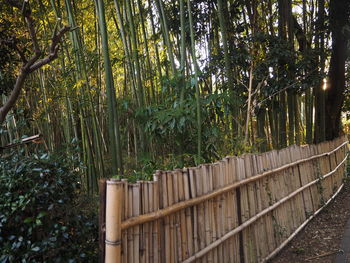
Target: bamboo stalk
pixel 136 189
pixel 188 214
pixel 102 219
pixel 197 200
pixel 124 216
pixel 130 230
pixel 114 203
pixel 182 246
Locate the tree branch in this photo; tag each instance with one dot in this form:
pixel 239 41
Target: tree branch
pixel 33 63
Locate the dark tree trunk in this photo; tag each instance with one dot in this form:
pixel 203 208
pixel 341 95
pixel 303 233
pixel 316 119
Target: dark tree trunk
pixel 339 18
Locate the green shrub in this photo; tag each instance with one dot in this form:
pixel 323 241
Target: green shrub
pixel 41 214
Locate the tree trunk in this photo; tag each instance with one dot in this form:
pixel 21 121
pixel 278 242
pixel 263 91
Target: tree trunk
pixel 339 18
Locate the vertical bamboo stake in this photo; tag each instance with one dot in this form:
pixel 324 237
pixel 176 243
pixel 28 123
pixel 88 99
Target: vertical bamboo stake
pixel 172 240
pixel 183 245
pixel 269 196
pixel 114 201
pixel 156 225
pixel 130 230
pixel 151 243
pixel 219 210
pixel 176 217
pixel 200 211
pixel 124 216
pixel 195 209
pixel 204 177
pixel 136 211
pixel 232 163
pixel 188 214
pixel 102 219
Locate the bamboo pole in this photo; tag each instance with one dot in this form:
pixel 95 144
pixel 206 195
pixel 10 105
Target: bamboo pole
pixel 189 215
pixel 102 218
pixel 197 200
pixel 113 221
pixel 130 230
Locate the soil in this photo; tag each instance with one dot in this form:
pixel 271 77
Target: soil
pixel 320 240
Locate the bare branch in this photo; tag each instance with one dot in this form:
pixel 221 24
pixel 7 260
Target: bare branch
pixel 53 50
pixel 33 63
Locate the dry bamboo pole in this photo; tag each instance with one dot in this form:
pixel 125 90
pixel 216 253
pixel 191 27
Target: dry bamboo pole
pixel 114 195
pixel 163 221
pixel 315 171
pixel 151 243
pixel 102 218
pixel 172 243
pixel 176 227
pixel 142 227
pixel 136 211
pixel 223 206
pixel 301 200
pixel 201 211
pixel 183 253
pixel 332 163
pixel 124 216
pixel 295 155
pixel 167 248
pixel 194 201
pixel 292 185
pixel 259 215
pixel 200 214
pixel 304 178
pixel 218 211
pixel 156 224
pixel 145 230
pixel 260 235
pixel 207 216
pixel 130 257
pixel 310 177
pixel 212 204
pixel 251 211
pixel 266 223
pixel 188 214
pixel 232 177
pixel 267 165
pixel 228 212
pixel 247 241
pixel 276 192
pixel 195 209
pixel 287 222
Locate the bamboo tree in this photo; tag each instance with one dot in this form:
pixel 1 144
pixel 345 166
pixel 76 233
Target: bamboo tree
pixel 198 95
pixel 114 133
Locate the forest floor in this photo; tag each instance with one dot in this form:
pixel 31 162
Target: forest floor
pixel 321 240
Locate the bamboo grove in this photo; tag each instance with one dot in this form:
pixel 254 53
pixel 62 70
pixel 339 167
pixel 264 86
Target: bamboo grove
pixel 156 84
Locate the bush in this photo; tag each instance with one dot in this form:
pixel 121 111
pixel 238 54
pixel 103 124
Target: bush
pixel 41 217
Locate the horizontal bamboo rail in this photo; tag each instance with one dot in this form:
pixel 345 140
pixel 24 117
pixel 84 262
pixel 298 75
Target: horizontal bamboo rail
pixel 241 209
pixel 277 250
pixel 185 204
pixel 256 217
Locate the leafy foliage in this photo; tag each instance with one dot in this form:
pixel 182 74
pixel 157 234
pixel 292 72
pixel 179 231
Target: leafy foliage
pixel 41 219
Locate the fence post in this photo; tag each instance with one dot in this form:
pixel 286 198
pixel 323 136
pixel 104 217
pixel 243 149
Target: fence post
pixel 114 203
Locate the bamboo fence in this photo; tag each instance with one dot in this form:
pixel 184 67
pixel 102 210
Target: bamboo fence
pixel 239 209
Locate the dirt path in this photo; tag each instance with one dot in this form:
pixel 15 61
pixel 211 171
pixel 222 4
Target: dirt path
pixel 321 240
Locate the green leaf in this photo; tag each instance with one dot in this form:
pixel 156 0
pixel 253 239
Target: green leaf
pixel 28 220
